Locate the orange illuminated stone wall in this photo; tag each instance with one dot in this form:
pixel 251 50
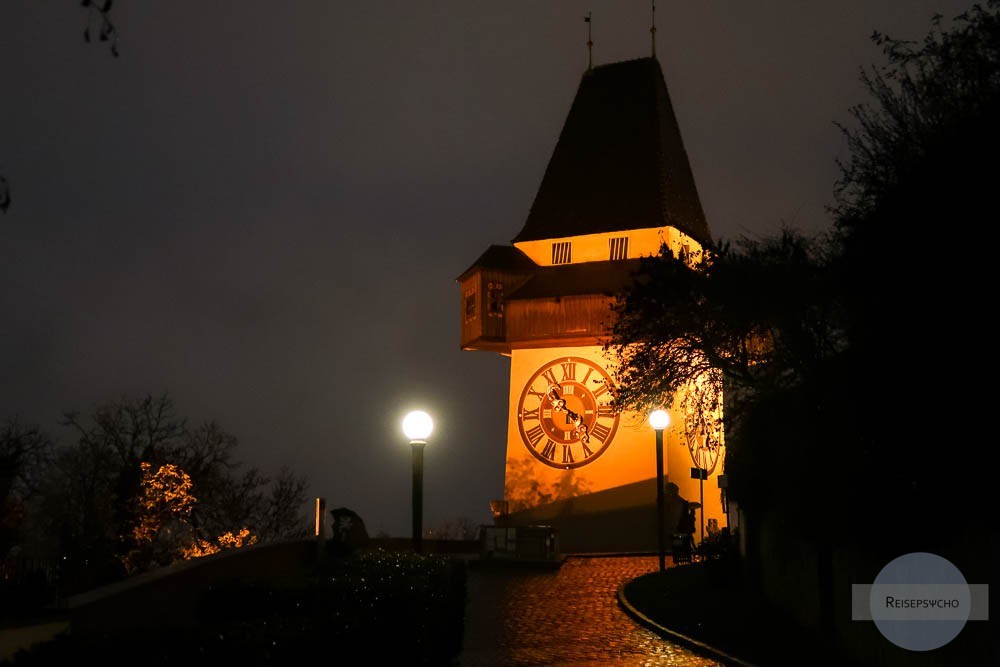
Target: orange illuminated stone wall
pixel 594 247
pixel 547 465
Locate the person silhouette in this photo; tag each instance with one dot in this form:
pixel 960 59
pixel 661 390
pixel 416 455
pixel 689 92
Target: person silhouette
pixel 685 526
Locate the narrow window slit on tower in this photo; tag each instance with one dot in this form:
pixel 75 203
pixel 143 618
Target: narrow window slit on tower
pixel 495 300
pixel 562 253
pixel 470 305
pixel 619 247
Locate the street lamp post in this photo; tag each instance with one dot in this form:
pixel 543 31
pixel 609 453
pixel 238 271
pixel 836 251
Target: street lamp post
pixel 659 420
pixel 417 426
pixel 701 494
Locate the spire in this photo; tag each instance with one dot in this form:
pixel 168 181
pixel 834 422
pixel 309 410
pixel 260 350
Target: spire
pixel 619 163
pixel 652 28
pixel 590 44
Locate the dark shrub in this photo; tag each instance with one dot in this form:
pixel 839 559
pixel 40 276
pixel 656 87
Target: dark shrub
pixel 397 607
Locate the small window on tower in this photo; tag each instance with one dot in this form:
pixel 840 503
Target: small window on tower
pixel 470 305
pixel 562 253
pixel 618 247
pixel 494 300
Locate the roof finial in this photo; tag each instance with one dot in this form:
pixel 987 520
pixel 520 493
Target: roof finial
pixel 652 29
pixel 590 44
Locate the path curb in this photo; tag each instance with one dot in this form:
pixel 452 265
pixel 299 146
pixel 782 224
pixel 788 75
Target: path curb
pixel 675 636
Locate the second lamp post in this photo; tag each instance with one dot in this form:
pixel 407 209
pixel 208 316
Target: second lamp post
pixel 659 419
pixel 417 426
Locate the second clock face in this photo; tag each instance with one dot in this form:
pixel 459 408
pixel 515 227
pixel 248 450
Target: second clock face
pixel 564 414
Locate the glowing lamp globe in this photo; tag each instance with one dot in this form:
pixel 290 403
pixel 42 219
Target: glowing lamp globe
pixel 659 419
pixel 417 426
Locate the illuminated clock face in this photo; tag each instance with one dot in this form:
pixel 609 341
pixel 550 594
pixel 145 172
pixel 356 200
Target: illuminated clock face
pixel 703 431
pixel 564 414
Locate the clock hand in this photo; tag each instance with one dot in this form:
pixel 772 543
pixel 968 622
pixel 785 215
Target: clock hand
pixel 559 405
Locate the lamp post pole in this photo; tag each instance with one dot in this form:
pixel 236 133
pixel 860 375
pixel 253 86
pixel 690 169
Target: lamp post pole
pixel 659 420
pixel 701 495
pixel 417 426
pixel 661 529
pixel 418 494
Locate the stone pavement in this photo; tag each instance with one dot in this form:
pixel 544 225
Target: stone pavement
pixel 568 616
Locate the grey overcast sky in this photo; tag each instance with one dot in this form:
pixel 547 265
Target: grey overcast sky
pixel 260 208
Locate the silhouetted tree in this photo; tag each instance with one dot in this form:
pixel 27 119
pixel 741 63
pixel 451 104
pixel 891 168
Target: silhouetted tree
pixel 104 468
pixel 232 496
pixel 456 528
pixel 99 23
pixel 24 452
pixel 719 318
pixel 911 205
pixel 848 359
pixel 108 494
pixel 100 27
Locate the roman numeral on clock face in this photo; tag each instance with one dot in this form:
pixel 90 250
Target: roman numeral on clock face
pixel 567 454
pixel 529 414
pixel 601 432
pixel 569 371
pixel 550 376
pixel 549 451
pixel 534 434
pixel 605 411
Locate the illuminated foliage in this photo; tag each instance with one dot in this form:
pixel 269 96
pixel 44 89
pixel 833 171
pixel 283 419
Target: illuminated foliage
pixel 163 532
pixel 163 517
pixel 228 540
pixel 106 514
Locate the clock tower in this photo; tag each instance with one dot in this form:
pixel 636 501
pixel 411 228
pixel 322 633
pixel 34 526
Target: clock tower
pixel 618 185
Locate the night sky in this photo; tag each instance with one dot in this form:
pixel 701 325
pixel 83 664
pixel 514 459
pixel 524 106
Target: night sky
pixel 260 208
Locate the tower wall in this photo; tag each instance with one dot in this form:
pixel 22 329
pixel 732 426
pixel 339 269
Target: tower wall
pixel 607 503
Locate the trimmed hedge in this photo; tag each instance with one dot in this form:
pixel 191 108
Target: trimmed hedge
pixel 386 605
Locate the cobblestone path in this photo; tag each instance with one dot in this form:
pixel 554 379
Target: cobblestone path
pixel 565 617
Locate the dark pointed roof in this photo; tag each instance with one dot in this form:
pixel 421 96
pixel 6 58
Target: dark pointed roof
pixel 620 163
pixel 502 258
